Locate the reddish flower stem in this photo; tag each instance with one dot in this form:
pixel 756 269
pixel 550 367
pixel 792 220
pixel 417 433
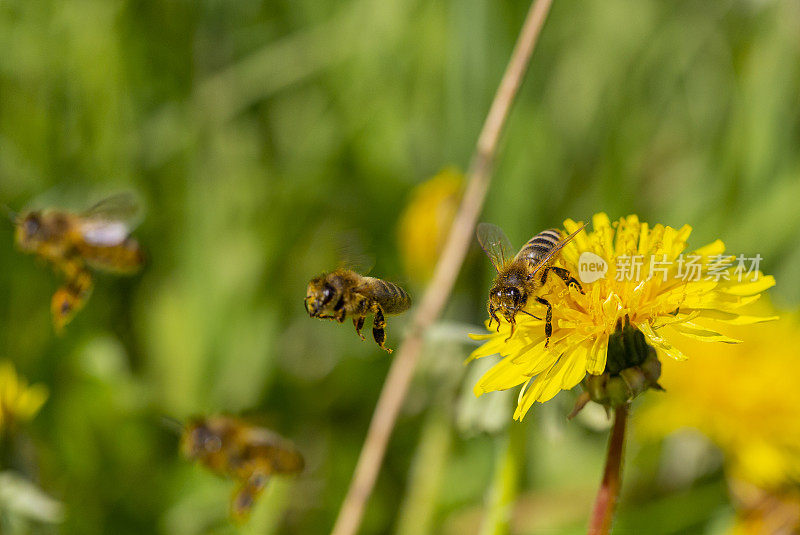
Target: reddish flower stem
pixel 607 495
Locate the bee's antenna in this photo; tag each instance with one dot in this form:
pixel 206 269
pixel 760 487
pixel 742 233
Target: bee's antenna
pixel 529 314
pixel 172 424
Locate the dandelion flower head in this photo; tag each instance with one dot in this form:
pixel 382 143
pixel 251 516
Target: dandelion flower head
pixel 18 401
pixel 666 304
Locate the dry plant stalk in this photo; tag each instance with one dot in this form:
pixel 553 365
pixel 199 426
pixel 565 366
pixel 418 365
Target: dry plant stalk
pixel 438 291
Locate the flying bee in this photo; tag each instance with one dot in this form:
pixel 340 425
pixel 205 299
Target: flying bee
pixel 520 278
pixel 344 292
pixel 98 238
pixel 248 454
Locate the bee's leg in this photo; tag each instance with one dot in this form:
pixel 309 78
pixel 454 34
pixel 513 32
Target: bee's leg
pixel 493 316
pixel 241 502
pixel 245 495
pixel 548 320
pixel 565 276
pixel 70 298
pixel 359 323
pixel 513 328
pixel 378 327
pixel 72 266
pixel 360 314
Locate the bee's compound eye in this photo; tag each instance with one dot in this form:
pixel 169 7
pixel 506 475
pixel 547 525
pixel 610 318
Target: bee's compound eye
pixel 327 293
pixel 31 225
pixel 206 441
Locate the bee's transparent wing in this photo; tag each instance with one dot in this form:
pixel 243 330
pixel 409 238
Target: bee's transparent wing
pixel 352 255
pixel 495 244
pixel 543 261
pixel 124 207
pixel 110 221
pixel 360 263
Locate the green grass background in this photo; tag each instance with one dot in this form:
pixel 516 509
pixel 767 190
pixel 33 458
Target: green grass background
pixel 259 134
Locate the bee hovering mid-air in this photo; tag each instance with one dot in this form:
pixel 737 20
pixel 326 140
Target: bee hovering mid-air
pixel 233 448
pixel 98 238
pixel 344 292
pixel 520 277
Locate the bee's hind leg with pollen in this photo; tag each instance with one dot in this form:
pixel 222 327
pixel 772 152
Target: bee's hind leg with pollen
pixel 359 315
pixel 565 275
pixel 72 296
pixel 548 320
pixel 378 327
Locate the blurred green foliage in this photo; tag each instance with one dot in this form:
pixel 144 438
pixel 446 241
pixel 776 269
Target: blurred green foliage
pixel 264 134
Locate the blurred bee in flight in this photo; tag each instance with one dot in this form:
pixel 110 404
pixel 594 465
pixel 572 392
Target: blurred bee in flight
pixel 344 292
pixel 74 243
pixel 250 455
pixel 520 277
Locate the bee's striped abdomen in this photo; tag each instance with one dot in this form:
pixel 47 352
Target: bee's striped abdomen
pixel 538 246
pixel 127 257
pixel 392 298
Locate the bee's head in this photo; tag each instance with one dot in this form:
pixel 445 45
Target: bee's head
pixel 321 295
pixel 30 231
pixel 200 441
pixel 507 300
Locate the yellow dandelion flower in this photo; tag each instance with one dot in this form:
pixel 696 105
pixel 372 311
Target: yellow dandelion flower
pixel 744 398
pixel 18 401
pixel 759 511
pixel 426 221
pixel 629 270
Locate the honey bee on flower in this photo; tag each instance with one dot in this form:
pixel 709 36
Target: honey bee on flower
pixel 519 277
pixel 661 308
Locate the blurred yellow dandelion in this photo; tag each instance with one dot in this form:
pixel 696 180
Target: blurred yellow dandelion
pixel 628 270
pixel 744 398
pixel 760 511
pixel 18 401
pixel 426 221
